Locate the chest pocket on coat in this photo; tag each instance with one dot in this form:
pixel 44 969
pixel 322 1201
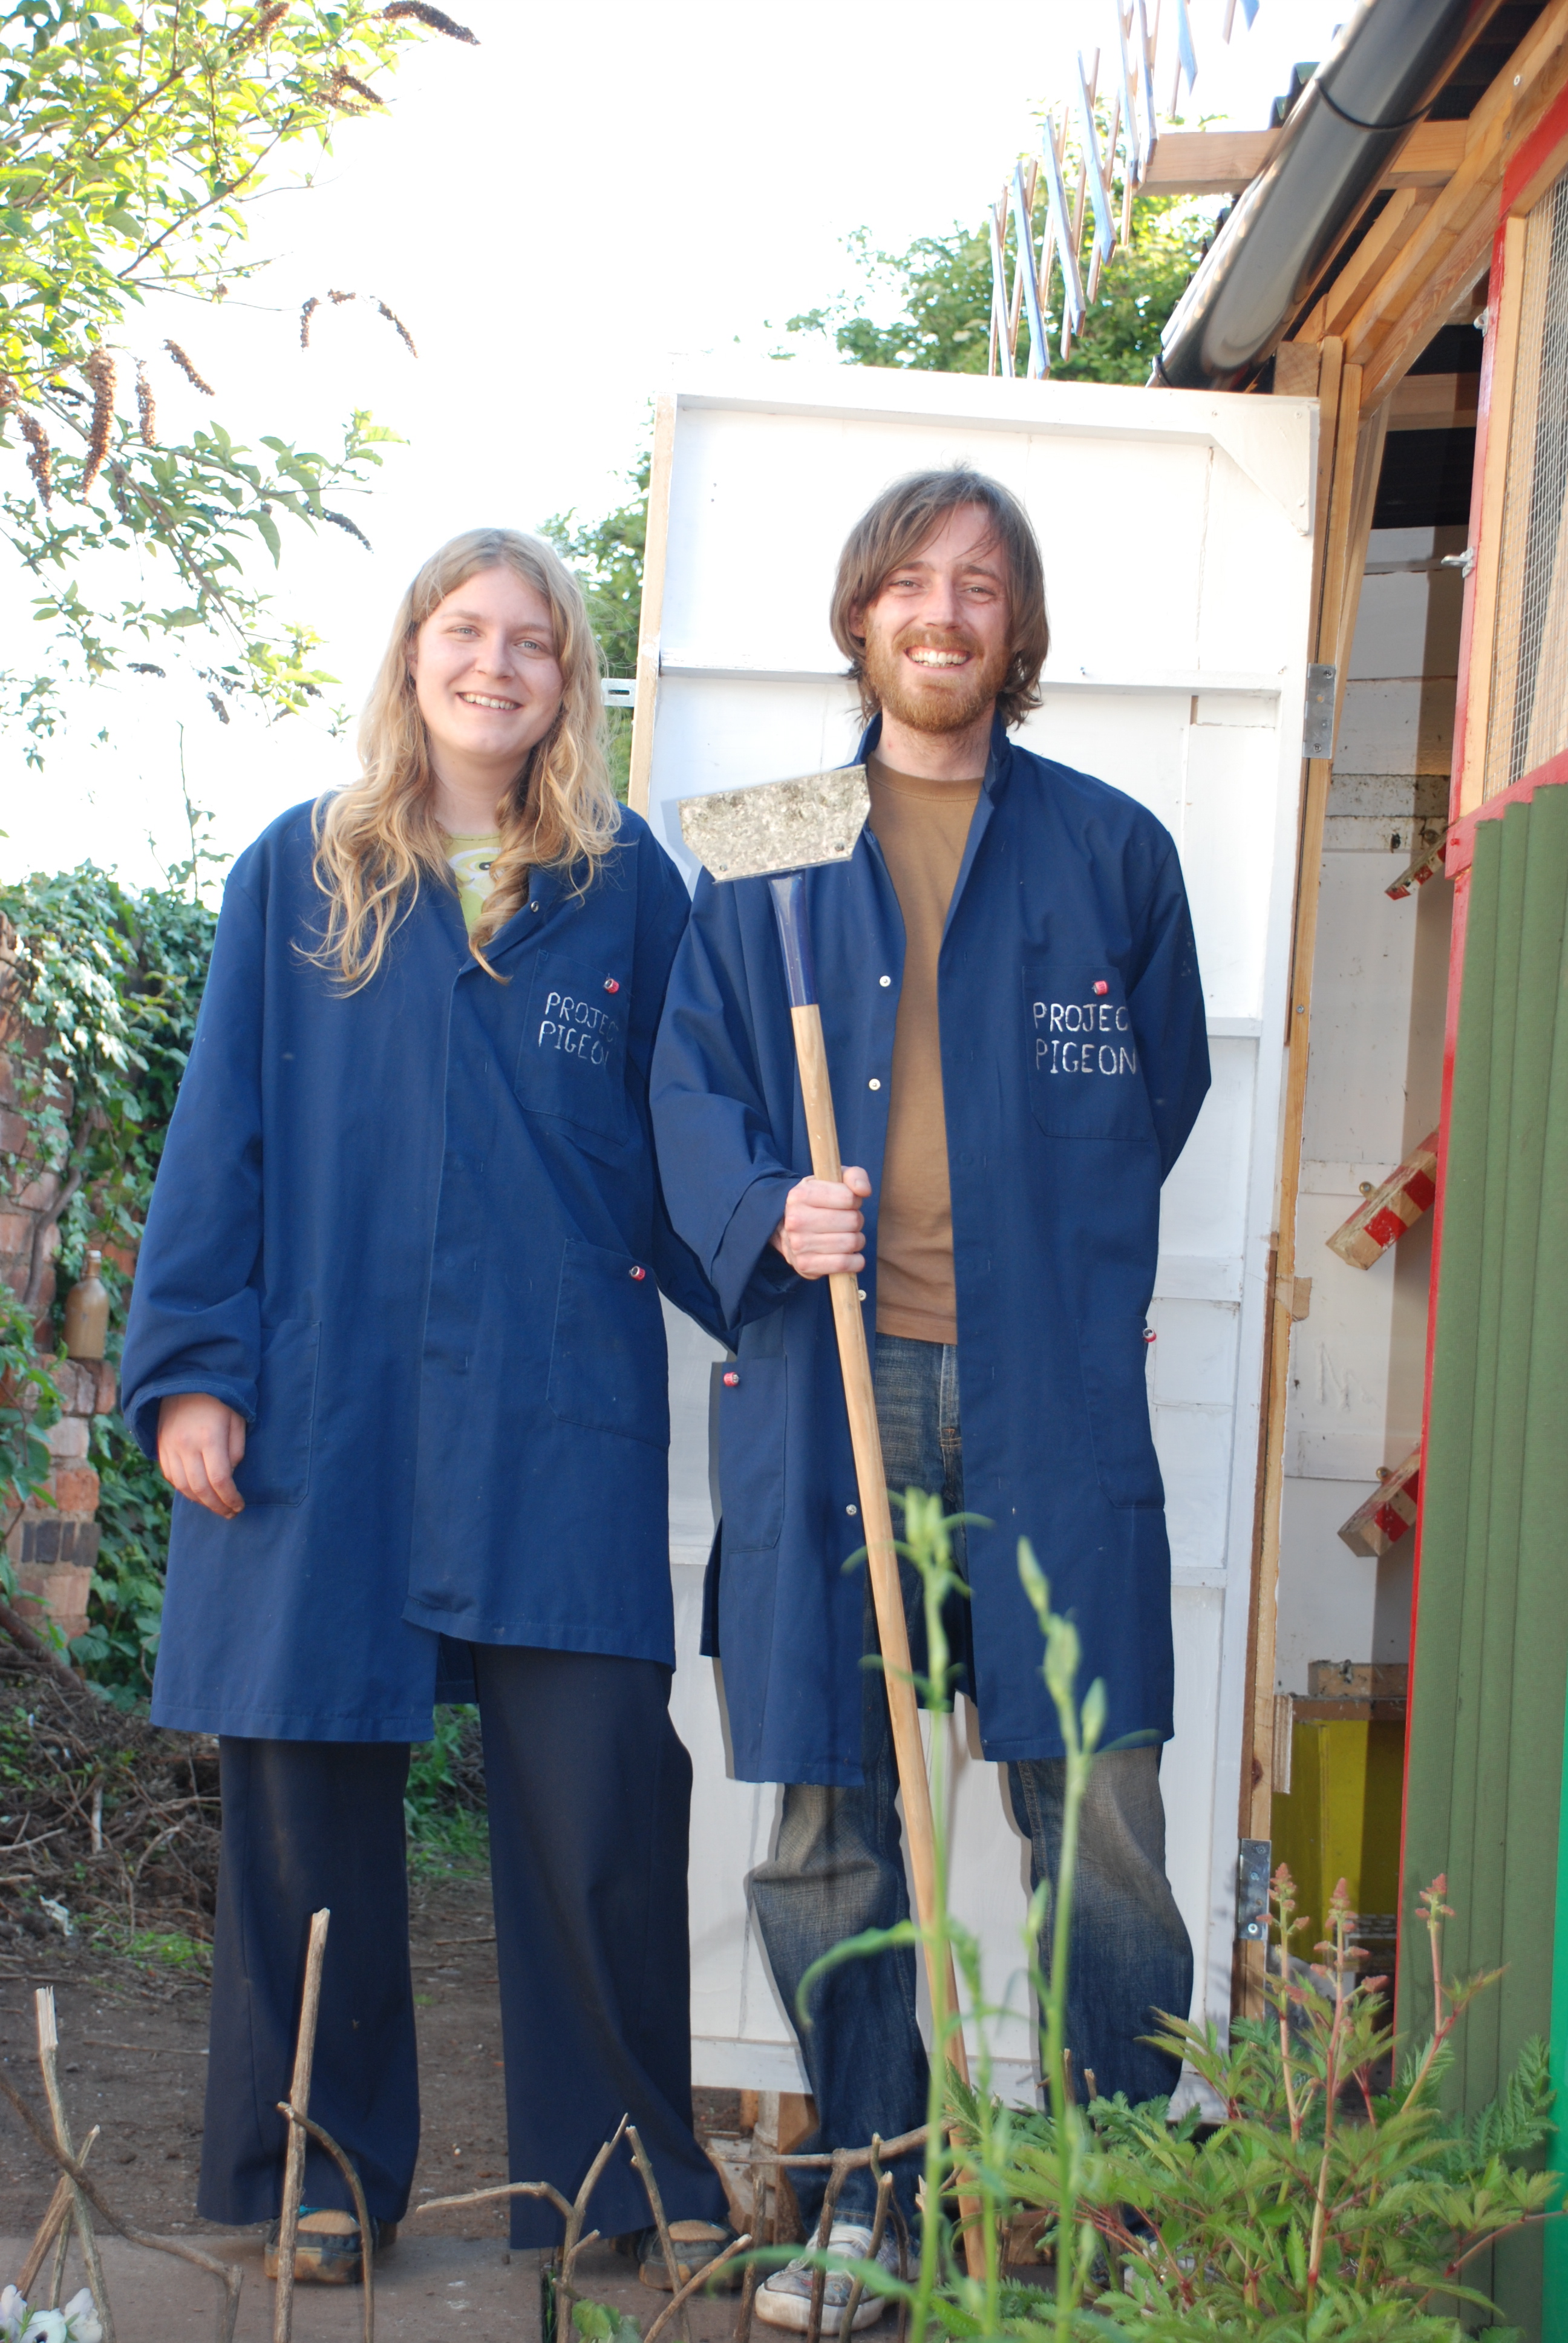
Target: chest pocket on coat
pixel 1084 1071
pixel 609 1368
pixel 571 1060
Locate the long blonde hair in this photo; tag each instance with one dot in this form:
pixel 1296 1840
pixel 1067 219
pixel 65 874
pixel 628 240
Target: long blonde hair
pixel 379 838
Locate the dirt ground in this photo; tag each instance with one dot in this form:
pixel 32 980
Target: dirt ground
pixel 132 2059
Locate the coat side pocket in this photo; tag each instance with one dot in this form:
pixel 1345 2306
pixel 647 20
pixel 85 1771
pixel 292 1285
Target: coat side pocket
pixel 1114 1356
pixel 752 1420
pixel 275 1467
pixel 610 1370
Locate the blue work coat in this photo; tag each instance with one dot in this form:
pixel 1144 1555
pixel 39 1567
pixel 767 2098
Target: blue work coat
pixel 414 1235
pixel 1074 1061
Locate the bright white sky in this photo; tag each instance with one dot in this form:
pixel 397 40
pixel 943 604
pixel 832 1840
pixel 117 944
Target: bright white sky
pixel 560 217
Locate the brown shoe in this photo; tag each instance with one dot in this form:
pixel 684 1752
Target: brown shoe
pixel 696 2244
pixel 326 2249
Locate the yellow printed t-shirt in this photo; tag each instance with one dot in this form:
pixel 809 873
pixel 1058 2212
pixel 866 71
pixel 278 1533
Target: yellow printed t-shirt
pixel 469 859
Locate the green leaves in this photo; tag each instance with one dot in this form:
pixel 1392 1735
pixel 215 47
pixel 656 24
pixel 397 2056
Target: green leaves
pixel 134 141
pixel 595 2322
pixel 1317 2211
pixel 105 987
pixel 942 284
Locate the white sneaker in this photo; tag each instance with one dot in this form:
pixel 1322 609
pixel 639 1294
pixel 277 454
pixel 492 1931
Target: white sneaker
pixel 785 2298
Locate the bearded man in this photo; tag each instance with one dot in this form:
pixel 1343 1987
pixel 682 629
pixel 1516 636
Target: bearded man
pixel 1015 1030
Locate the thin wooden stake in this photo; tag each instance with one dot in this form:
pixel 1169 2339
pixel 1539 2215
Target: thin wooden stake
pixel 298 2098
pixel 48 2048
pixel 640 2157
pixel 57 2219
pixel 59 2211
pixel 878 2226
pixel 361 2210
pixel 230 2277
pixel 699 2277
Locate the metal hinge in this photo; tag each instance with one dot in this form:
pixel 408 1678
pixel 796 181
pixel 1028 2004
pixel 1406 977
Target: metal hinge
pixel 1318 722
pixel 1464 562
pixel 1252 1891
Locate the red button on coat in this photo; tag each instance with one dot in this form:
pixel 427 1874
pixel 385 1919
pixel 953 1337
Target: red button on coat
pixel 1100 985
pixel 610 985
pixel 639 1272
pixel 733 1379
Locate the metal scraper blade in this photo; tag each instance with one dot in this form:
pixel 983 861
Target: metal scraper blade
pixel 777 826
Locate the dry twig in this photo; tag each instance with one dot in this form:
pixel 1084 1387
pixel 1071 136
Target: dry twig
pixel 298 2099
pixel 48 2062
pixel 230 2279
pixel 361 2210
pixel 640 2157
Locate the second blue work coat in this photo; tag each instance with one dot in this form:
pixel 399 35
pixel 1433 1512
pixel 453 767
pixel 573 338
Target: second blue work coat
pixel 1074 1062
pixel 414 1235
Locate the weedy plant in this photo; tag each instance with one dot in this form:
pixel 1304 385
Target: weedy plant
pixel 1324 2206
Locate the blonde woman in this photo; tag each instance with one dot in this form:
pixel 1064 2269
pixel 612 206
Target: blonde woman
pixel 397 1344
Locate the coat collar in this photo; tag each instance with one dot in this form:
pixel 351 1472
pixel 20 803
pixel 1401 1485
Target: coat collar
pixel 999 759
pixel 998 772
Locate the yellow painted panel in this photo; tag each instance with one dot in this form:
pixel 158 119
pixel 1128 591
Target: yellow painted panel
pixel 1342 1818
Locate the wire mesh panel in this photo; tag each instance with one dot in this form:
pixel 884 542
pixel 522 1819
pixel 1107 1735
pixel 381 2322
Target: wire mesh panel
pixel 1529 718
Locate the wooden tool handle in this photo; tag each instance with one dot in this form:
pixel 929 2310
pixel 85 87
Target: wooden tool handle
pixel 876 1518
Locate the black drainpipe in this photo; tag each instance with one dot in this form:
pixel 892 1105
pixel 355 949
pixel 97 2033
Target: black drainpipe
pixel 1388 65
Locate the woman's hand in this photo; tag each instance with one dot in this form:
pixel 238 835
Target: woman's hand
pixel 823 1229
pixel 200 1442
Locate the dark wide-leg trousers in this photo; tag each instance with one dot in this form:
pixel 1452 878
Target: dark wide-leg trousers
pixel 589 1793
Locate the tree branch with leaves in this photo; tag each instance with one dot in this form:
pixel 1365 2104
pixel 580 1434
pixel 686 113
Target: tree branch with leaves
pixel 134 144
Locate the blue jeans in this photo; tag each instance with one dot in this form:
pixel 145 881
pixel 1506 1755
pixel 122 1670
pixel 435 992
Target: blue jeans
pixel 839 1868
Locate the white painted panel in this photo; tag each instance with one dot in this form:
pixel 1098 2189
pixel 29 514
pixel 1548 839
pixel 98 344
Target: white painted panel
pixel 1173 531
pixel 1204 1205
pixel 1226 833
pixel 1361 982
pixel 1137 743
pixel 1333 1605
pixel 1394 727
pixel 1379 989
pixel 1201 1858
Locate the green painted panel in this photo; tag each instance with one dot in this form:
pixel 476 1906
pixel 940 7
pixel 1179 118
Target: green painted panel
pixel 1485 1769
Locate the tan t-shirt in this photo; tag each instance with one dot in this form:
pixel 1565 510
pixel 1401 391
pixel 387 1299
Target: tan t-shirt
pixel 922 827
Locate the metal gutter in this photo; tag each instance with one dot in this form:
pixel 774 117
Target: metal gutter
pixel 1385 69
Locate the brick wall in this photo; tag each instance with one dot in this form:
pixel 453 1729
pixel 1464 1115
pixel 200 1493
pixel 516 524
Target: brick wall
pixel 52 1542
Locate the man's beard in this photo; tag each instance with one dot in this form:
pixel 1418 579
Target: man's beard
pixel 947 707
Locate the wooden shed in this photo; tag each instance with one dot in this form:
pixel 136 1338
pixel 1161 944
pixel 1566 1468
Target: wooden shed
pixel 1467 228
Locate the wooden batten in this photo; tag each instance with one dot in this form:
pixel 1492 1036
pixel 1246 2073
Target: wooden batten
pixel 1486 518
pixel 1393 229
pixel 1347 493
pixel 652 620
pixel 1224 161
pixel 1429 277
pixel 1350 449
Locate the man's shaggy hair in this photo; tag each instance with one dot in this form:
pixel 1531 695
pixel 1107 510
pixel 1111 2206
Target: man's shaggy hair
pixel 893 531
